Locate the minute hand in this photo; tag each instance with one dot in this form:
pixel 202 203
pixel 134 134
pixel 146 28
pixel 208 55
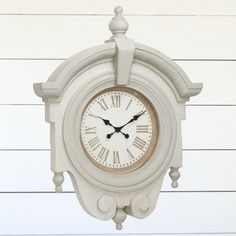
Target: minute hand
pixel 135 117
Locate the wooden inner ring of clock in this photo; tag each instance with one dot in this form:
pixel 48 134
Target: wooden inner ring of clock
pixel 155 132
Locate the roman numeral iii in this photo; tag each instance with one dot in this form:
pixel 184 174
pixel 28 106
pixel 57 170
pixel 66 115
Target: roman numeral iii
pixel 142 129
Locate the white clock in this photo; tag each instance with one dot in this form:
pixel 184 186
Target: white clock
pixel 115 113
pixel 119 130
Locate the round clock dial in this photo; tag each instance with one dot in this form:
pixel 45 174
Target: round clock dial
pixel 119 130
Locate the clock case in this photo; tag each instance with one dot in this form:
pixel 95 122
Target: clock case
pixel 118 62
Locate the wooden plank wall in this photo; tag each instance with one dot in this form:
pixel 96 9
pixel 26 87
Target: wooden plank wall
pixel 37 35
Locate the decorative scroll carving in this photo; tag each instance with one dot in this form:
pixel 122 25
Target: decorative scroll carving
pixel 140 207
pixel 174 175
pixel 58 179
pixel 107 206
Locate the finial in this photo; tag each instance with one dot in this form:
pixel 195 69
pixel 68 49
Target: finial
pixel 118 25
pixel 119 218
pixel 58 179
pixel 174 175
pixel 118 10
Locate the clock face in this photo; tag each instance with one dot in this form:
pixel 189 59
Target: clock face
pixel 119 130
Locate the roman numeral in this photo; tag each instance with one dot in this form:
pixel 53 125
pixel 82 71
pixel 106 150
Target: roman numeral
pixel 94 143
pixel 116 158
pixel 92 115
pixel 103 154
pixel 115 101
pixel 128 104
pixel 103 104
pixel 142 129
pixel 131 156
pixel 139 113
pixel 91 130
pixel 139 143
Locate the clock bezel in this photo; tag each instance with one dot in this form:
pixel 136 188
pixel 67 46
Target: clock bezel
pixel 164 149
pixel 155 131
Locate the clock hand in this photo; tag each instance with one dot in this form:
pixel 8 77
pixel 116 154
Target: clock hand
pixel 118 129
pixel 109 135
pixel 135 117
pixel 106 122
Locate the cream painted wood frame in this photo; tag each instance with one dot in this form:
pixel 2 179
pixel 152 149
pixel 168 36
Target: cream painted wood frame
pixel 119 62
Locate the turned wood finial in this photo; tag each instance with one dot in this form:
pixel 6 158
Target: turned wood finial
pixel 174 175
pixel 118 25
pixel 119 218
pixel 58 179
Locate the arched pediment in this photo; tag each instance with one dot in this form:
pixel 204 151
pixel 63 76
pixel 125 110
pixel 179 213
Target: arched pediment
pixel 179 82
pixel 174 74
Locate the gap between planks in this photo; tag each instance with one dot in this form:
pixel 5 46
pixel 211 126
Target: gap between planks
pixel 125 15
pixel 72 192
pixel 132 234
pixel 188 105
pixel 63 59
pixel 48 149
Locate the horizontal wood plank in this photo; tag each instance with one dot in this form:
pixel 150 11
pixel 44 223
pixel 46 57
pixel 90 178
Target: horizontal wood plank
pixel 61 214
pixel 133 234
pixel 29 171
pixel 23 127
pixel 218 78
pixel 17 77
pixel 167 7
pixel 184 37
pixel 209 128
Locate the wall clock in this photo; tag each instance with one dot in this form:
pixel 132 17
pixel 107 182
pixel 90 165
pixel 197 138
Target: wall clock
pixel 125 139
pixel 115 114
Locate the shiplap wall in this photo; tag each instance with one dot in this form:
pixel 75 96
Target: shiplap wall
pixel 37 35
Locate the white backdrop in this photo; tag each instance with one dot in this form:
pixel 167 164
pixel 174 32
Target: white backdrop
pixel 37 35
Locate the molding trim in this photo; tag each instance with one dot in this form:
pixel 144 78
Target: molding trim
pixel 56 85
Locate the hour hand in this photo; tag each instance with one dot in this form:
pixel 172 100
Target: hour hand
pixel 106 122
